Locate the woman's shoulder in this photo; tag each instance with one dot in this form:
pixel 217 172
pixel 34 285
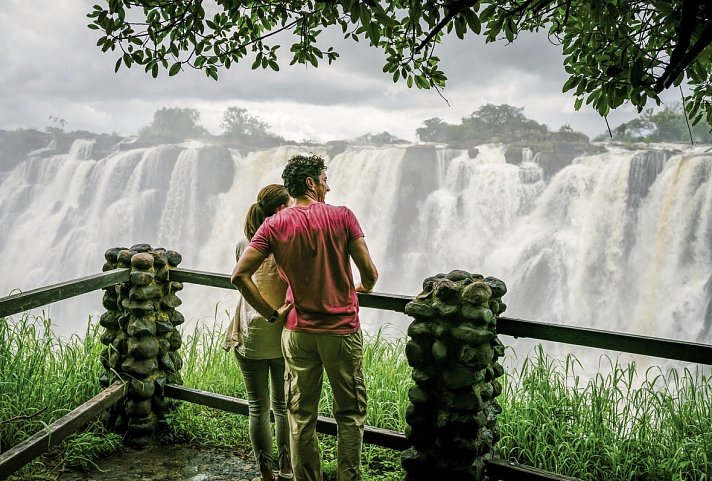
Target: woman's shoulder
pixel 241 246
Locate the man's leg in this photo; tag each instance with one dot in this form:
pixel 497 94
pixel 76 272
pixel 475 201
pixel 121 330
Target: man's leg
pixel 303 379
pixel 343 361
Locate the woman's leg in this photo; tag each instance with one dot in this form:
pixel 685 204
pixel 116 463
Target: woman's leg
pixel 256 375
pixel 279 408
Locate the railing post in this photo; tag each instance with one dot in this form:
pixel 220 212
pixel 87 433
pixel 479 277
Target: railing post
pixel 141 338
pixel 453 350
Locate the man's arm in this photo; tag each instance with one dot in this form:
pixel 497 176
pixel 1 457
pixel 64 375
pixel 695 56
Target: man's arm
pixel 358 250
pixel 241 277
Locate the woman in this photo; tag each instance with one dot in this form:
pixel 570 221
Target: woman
pixel 258 348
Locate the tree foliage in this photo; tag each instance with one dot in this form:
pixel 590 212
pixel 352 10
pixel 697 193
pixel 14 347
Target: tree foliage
pixel 493 123
pixel 57 126
pixel 238 122
pixel 173 124
pixel 240 125
pixel 379 140
pixel 615 51
pixel 667 125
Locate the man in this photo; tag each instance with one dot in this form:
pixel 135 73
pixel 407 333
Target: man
pixel 313 243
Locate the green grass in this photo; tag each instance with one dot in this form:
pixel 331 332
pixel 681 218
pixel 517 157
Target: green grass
pixel 42 378
pixel 619 425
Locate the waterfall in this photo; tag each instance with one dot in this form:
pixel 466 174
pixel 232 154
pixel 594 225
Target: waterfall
pixel 620 240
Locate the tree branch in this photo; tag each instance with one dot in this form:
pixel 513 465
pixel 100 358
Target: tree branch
pixel 688 19
pixel 456 8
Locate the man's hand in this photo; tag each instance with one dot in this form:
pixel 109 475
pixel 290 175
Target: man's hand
pixel 360 288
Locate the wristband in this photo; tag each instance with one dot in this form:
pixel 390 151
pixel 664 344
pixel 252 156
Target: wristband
pixel 274 316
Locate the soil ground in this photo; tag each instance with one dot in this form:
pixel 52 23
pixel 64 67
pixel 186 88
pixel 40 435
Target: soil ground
pixel 170 463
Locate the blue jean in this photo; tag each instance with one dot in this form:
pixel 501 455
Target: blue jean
pixel 260 375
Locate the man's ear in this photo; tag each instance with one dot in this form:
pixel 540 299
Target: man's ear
pixel 310 183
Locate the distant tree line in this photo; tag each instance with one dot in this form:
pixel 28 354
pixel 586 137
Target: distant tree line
pixel 175 124
pixel 667 125
pixel 494 123
pixel 488 124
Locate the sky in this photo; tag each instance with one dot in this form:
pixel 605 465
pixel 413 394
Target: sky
pixel 50 66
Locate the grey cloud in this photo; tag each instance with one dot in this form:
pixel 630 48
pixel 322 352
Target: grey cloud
pixel 55 68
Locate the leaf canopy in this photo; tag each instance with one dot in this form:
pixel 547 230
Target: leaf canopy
pixel 614 51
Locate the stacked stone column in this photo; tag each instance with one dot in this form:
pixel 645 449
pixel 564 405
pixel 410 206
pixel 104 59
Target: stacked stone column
pixel 141 338
pixel 453 350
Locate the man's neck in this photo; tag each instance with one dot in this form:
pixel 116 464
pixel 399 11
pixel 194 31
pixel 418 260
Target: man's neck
pixel 304 200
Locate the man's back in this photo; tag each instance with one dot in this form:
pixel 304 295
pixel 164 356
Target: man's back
pixel 310 245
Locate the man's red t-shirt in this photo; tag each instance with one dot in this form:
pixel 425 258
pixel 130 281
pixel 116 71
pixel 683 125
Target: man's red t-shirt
pixel 310 245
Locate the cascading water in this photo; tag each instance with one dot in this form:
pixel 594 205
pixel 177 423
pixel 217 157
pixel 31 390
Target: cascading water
pixel 620 240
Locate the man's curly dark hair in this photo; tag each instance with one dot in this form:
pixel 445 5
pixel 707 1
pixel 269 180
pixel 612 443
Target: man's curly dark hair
pixel 298 168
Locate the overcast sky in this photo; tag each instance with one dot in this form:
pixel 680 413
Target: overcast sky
pixel 50 66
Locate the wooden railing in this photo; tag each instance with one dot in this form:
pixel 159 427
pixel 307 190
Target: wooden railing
pixel 631 343
pixel 54 433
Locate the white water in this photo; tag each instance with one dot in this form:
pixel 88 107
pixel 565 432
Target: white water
pixel 619 241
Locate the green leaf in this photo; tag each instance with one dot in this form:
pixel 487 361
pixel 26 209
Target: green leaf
pixel 154 70
pixel 421 82
pixel 175 68
pixel 578 103
pixel 488 12
pixel 570 83
pixel 473 21
pixel 118 65
pixel 273 65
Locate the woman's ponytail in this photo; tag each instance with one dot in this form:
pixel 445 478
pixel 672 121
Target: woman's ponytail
pixel 269 199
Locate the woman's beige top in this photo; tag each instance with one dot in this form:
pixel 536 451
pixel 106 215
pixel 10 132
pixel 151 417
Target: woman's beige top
pixel 250 333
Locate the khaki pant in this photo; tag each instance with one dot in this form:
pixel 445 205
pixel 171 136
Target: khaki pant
pixel 307 355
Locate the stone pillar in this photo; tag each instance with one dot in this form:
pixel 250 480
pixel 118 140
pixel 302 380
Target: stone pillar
pixel 453 350
pixel 141 338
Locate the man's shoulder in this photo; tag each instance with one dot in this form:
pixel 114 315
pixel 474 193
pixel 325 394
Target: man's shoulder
pixel 337 209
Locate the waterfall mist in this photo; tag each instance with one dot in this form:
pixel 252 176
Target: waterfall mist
pixel 620 240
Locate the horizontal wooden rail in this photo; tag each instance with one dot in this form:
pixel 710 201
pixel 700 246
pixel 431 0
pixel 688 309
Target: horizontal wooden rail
pixel 371 435
pixel 209 279
pixel 649 346
pixel 580 336
pixel 376 436
pixel 388 302
pixel 41 442
pixel 499 469
pixel 45 295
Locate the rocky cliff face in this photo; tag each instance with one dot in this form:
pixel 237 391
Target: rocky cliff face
pixel 552 156
pixel 15 146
